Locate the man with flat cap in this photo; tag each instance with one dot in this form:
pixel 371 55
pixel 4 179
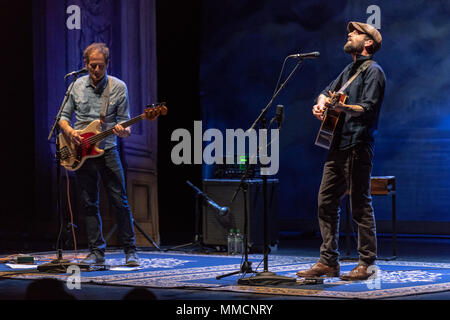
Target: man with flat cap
pixel 348 164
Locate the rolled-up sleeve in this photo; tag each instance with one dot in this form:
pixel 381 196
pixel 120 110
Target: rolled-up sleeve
pixel 373 90
pixel 123 105
pixel 68 109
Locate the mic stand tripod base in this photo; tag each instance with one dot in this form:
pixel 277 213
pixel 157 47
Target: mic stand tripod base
pixel 245 269
pixel 60 265
pixel 265 278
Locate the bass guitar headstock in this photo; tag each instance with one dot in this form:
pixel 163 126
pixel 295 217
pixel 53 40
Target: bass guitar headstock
pixel 154 110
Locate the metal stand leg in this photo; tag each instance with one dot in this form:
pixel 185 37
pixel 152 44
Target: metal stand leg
pixel 246 266
pixel 146 236
pixel 348 222
pixel 347 226
pixel 394 232
pixel 266 277
pixel 197 243
pixel 394 228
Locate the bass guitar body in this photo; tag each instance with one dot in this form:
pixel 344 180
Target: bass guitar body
pixel 72 157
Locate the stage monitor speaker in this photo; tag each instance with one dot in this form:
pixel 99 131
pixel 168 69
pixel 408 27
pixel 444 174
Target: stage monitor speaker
pixel 215 228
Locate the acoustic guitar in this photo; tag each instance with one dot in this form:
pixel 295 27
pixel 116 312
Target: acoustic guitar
pixel 331 118
pixel 72 156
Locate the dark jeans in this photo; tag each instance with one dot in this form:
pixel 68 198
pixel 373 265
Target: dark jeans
pixel 347 170
pixel 110 169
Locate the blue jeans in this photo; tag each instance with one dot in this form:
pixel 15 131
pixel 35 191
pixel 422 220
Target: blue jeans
pixel 109 167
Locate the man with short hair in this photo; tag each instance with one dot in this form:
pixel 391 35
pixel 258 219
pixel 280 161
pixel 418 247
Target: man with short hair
pixel 349 162
pixel 86 101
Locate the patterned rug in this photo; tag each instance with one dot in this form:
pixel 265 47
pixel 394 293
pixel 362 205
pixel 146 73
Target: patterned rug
pixel 199 271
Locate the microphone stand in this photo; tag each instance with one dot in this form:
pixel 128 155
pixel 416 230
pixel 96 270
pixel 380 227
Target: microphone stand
pixel 197 237
pixel 59 264
pixel 246 266
pixel 266 277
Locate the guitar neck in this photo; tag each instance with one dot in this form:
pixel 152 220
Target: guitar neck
pixel 107 133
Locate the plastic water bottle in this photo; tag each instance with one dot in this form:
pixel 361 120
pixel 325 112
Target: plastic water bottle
pixel 231 242
pixel 239 242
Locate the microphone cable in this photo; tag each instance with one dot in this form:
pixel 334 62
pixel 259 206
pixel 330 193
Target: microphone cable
pixel 279 77
pixel 71 216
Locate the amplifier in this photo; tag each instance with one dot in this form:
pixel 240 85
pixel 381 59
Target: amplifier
pixel 215 228
pixel 236 168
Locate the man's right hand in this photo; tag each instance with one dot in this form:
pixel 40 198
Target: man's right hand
pixel 319 108
pixel 318 111
pixel 73 136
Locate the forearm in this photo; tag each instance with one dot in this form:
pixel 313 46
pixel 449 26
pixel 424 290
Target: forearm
pixel 65 126
pixel 321 99
pixel 352 109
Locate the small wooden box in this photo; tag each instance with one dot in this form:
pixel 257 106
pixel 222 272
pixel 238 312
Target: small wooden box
pixel 382 185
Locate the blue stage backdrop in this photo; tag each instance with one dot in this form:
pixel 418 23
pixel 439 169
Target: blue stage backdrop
pixel 243 48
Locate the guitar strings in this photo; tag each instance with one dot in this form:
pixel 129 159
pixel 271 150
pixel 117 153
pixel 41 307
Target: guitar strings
pixel 87 143
pixel 99 137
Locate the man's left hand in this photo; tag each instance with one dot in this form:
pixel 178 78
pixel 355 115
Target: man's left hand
pixel 121 132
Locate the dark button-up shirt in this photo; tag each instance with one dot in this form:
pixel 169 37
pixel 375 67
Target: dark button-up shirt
pixel 367 91
pixel 85 101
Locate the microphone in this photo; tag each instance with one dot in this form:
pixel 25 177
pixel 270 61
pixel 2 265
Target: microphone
pixel 221 211
pixel 311 55
pixel 279 115
pixel 73 73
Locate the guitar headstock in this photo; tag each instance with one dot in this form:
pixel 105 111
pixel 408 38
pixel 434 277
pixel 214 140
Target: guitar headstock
pixel 154 110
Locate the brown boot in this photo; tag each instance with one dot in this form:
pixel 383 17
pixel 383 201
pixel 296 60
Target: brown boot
pixel 318 270
pixel 359 272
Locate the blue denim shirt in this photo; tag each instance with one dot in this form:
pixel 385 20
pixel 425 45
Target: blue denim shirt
pixel 85 101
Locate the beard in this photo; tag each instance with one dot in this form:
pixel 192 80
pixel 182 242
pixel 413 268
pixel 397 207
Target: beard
pixel 351 47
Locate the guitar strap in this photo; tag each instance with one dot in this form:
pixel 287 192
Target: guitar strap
pixel 105 101
pixel 360 69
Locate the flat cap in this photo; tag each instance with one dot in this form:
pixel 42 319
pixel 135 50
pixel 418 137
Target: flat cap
pixel 367 29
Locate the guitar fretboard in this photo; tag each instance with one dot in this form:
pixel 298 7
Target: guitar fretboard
pixel 106 133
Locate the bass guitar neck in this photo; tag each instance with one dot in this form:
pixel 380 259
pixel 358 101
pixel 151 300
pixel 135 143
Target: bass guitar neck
pixel 72 156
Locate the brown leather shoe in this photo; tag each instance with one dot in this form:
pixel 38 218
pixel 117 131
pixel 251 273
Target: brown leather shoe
pixel 318 270
pixel 358 273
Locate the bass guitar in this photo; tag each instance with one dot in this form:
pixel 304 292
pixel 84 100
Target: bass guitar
pixel 72 156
